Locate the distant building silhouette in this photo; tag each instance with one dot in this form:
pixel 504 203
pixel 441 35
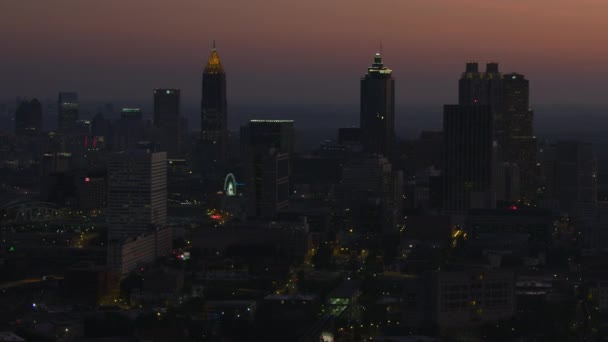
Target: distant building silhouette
pixel 350 136
pixel 569 170
pixel 67 111
pixel 266 146
pixel 277 134
pixel 100 126
pixel 469 156
pixel 167 119
pixel 373 194
pixel 28 117
pixel 131 114
pixel 129 130
pixel 377 118
pixel 427 150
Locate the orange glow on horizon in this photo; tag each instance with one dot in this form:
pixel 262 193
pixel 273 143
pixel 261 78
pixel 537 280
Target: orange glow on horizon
pixel 425 42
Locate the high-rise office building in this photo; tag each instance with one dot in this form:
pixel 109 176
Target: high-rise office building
pixel 214 116
pixel 519 140
pixel 137 193
pixel 481 88
pixel 507 95
pixel 167 119
pixel 518 117
pixel 67 111
pixel 484 88
pixel 469 156
pixel 28 118
pixel 377 118
pixel 266 146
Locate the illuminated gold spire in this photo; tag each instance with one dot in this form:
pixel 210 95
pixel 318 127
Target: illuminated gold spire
pixel 214 66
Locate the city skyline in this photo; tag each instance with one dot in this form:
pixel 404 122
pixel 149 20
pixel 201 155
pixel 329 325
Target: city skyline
pixel 282 170
pixel 550 44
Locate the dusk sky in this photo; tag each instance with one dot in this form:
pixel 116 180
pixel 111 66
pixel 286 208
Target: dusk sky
pixel 290 52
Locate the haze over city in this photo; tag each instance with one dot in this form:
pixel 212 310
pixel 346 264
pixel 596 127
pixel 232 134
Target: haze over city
pixel 287 52
pixel 310 171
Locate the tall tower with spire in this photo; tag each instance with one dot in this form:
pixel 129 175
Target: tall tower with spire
pixel 214 116
pixel 378 109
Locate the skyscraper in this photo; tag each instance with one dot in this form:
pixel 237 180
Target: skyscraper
pixel 137 193
pixel 507 95
pixel 468 150
pixel 67 111
pixel 484 88
pixel 481 88
pixel 377 118
pixel 266 146
pixel 519 142
pixel 28 117
pixel 518 117
pixel 214 116
pixel 167 120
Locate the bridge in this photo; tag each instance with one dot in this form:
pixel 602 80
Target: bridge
pixel 20 212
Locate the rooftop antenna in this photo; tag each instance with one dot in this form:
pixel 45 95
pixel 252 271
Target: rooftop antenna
pixel 214 44
pixel 380 46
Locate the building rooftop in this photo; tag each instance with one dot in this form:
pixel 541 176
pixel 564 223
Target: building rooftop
pixel 378 67
pixel 214 65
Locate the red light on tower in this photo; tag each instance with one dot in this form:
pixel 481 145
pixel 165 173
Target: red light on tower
pixel 513 207
pixel 87 179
